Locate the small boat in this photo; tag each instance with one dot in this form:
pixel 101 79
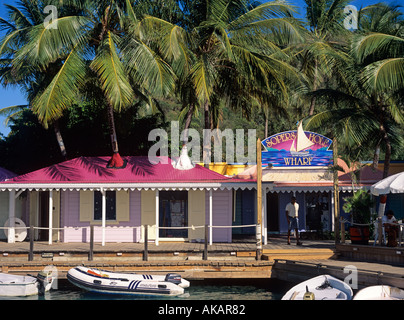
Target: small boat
pixel 20 286
pixel 324 287
pixel 381 292
pixel 101 281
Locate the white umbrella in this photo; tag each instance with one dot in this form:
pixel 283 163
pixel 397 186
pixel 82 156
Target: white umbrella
pixel 392 184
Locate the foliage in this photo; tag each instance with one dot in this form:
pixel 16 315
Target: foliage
pixel 359 206
pixel 29 146
pixel 209 63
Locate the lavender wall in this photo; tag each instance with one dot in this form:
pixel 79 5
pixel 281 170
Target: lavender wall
pixel 222 214
pixel 122 232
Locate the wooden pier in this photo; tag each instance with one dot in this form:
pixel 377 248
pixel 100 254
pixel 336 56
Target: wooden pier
pixel 221 260
pixel 368 273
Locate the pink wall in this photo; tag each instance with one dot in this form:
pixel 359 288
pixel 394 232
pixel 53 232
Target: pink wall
pixel 70 217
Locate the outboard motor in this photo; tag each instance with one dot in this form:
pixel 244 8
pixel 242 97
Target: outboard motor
pixel 44 279
pixel 173 278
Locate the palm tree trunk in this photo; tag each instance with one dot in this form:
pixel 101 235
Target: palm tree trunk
pixel 112 131
pixel 116 160
pixel 59 139
pixel 387 142
pixel 387 157
pixel 206 142
pixel 313 99
pixel 188 122
pixel 376 157
pixel 266 122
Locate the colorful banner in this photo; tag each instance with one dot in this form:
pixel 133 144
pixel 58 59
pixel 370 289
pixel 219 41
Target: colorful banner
pixel 297 148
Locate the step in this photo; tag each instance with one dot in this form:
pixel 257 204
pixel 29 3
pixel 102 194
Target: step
pixel 298 254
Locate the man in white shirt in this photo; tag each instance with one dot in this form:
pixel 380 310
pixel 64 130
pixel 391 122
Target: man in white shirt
pixel 292 215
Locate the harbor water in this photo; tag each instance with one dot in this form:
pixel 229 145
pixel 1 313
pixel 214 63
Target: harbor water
pixel 244 289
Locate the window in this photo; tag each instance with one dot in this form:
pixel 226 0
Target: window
pixel 110 207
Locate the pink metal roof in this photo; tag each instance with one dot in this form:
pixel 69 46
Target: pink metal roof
pixel 5 174
pixel 368 176
pixel 137 170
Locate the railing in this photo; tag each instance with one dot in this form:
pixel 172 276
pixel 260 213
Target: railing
pixel 207 236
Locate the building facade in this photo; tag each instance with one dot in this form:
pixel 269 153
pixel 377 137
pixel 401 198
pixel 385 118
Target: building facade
pixel 66 199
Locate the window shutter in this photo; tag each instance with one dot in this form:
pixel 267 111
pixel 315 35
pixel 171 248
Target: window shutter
pixel 122 205
pixel 86 206
pixel 148 205
pixel 196 213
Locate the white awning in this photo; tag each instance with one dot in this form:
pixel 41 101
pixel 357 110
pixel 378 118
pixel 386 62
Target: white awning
pixel 134 186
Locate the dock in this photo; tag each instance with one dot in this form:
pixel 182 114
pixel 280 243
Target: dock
pixel 368 273
pixel 235 260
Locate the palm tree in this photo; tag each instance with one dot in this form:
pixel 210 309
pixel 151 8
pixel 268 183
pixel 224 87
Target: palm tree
pixel 322 55
pixel 91 40
pixel 223 44
pixel 381 48
pixel 20 22
pixel 363 118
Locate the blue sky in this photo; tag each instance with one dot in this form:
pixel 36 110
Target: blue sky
pixel 10 96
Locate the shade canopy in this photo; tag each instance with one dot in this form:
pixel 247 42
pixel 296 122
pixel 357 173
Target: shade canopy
pixel 392 184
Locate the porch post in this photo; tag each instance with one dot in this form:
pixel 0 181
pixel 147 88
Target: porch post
pixel 103 215
pixel 50 216
pixel 11 216
pixel 264 215
pixel 211 216
pixel 157 216
pixel 336 193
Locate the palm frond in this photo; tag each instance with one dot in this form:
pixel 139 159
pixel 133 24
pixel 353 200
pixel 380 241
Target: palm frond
pixel 375 42
pixel 147 68
pixel 387 74
pixel 202 80
pixel 20 20
pixel 10 112
pixel 62 91
pixel 49 42
pixel 112 75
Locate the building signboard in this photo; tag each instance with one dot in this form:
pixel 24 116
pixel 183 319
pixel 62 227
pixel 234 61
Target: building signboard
pixel 297 148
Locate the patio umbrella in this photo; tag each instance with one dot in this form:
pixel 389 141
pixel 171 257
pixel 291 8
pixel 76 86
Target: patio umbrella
pixel 392 184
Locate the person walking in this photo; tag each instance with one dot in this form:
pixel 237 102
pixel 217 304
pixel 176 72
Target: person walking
pixel 292 215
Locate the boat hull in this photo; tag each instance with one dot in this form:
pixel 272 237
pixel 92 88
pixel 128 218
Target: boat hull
pixel 324 287
pixel 299 153
pixel 380 293
pixel 99 281
pixel 21 286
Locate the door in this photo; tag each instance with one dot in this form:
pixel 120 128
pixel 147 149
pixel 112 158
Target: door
pixel 173 213
pixel 273 212
pixel 43 219
pixel 245 212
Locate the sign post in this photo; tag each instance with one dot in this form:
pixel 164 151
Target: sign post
pixel 259 201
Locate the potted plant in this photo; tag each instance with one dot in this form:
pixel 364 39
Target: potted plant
pixel 359 206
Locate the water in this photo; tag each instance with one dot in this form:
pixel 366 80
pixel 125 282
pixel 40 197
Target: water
pixel 199 290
